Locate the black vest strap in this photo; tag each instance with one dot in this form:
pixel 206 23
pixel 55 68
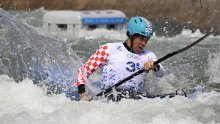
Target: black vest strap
pixel 127 47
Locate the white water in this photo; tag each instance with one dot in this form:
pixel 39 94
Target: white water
pixel 25 103
pixel 214 68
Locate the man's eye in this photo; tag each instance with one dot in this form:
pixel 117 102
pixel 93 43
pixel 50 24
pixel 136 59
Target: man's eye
pixel 142 38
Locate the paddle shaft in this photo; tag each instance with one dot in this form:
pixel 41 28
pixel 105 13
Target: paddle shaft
pixel 155 63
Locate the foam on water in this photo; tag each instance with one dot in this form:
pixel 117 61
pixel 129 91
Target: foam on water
pixel 101 33
pixel 214 67
pixel 25 103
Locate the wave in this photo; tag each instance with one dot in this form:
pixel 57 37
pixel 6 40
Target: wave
pixel 25 103
pixel 24 53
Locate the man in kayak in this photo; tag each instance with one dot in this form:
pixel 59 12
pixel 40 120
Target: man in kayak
pixel 119 60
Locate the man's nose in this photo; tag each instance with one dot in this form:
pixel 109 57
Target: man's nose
pixel 143 42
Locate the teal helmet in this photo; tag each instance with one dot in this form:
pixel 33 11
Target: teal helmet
pixel 140 25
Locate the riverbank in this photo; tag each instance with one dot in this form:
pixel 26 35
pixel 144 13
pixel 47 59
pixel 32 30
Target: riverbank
pixel 169 16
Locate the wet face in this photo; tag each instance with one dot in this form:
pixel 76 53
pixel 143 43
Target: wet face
pixel 139 43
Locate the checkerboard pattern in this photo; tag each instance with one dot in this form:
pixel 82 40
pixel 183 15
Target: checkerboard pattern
pixel 95 61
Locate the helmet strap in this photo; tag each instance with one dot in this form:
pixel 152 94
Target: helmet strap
pixel 129 48
pixel 131 41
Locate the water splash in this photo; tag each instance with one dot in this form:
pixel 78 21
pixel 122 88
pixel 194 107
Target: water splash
pixel 24 53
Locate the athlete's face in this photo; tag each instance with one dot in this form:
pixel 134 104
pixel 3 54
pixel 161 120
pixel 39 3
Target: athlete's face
pixel 139 43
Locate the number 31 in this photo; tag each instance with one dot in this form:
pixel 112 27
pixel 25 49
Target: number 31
pixel 132 66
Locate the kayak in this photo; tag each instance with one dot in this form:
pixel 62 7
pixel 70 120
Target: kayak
pixel 116 96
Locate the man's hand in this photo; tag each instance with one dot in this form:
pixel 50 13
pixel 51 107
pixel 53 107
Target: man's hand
pixel 84 96
pixel 148 65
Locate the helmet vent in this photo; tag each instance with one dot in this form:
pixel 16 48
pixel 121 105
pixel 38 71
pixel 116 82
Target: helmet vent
pixel 135 21
pixel 140 20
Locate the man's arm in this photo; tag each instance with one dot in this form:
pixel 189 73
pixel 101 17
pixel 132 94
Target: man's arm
pixel 157 69
pixel 95 61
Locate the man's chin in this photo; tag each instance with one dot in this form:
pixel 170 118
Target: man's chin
pixel 139 51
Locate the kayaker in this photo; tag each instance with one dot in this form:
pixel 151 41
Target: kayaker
pixel 119 60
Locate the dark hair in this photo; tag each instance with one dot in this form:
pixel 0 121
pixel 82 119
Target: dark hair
pixel 134 35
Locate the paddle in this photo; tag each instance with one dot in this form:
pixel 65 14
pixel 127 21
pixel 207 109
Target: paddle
pixel 155 63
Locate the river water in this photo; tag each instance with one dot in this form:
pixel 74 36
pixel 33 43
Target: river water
pixel 196 71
